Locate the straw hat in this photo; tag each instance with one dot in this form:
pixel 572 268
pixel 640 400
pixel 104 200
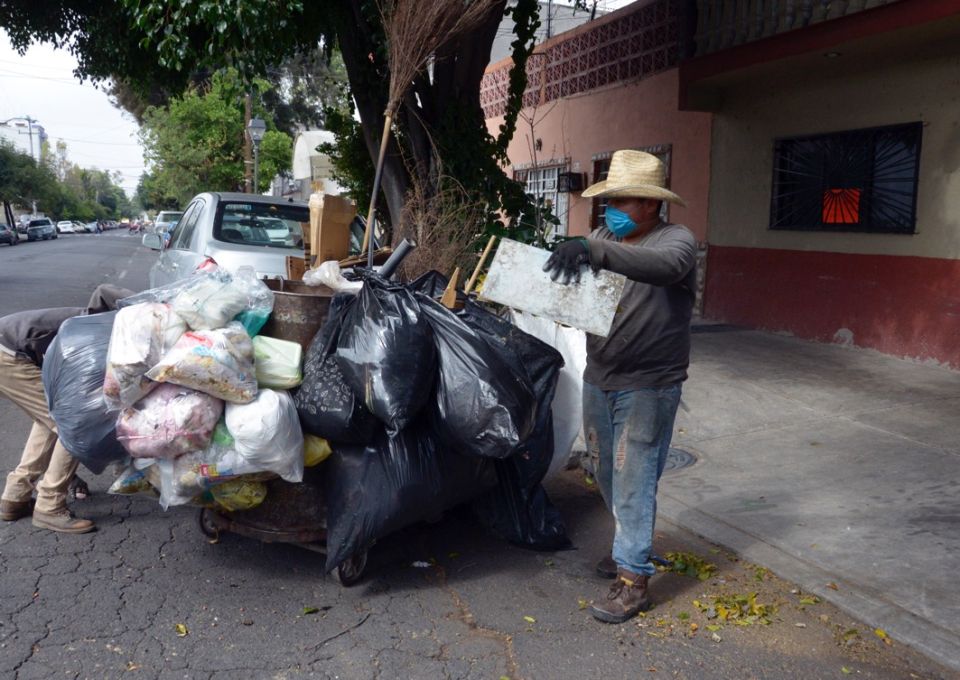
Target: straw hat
pixel 634 174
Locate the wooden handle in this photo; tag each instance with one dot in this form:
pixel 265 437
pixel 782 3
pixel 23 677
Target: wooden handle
pixel 368 234
pixel 449 299
pixel 483 258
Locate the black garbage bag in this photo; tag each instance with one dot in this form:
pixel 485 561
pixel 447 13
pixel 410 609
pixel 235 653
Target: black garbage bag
pixel 326 404
pixel 73 370
pixel 519 509
pixel 483 407
pixel 397 481
pixel 431 283
pixel 385 350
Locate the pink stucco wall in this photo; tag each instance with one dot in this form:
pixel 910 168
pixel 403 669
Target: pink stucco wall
pixel 642 113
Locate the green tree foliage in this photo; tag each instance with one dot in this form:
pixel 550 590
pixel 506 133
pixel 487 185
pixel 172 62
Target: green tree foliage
pixel 60 188
pixel 195 144
pixel 440 128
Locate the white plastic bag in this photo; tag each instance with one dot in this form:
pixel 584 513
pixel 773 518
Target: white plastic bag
pixel 134 481
pixel 141 335
pixel 567 404
pixel 217 362
pixel 328 274
pixel 210 301
pixel 267 434
pixel 168 422
pixel 278 362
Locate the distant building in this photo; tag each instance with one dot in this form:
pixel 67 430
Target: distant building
pixel 25 134
pixel 311 169
pixel 555 17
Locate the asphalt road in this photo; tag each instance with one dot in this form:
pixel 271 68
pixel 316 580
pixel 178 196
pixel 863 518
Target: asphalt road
pixel 107 604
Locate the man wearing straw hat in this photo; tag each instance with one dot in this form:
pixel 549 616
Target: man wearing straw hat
pixel 631 385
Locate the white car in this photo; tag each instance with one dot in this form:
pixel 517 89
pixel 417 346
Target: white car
pixel 233 230
pixel 66 227
pixel 165 221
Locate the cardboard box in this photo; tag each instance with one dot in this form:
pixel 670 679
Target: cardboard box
pixel 330 218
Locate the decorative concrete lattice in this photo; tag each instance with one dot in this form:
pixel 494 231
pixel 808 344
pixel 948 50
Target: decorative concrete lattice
pixel 631 47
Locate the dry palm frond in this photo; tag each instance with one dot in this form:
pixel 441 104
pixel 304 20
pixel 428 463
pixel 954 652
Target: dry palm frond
pixel 444 224
pixel 416 29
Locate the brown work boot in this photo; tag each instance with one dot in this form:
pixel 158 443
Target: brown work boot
pixel 627 598
pixel 607 568
pixel 62 521
pixel 11 511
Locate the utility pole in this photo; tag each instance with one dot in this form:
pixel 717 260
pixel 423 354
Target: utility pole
pixel 247 151
pixel 549 18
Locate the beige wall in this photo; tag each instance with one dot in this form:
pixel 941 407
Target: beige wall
pixel 753 115
pixel 643 113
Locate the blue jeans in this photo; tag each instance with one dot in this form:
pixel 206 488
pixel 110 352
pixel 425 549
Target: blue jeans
pixel 628 436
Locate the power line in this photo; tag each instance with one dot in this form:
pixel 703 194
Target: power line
pixel 92 141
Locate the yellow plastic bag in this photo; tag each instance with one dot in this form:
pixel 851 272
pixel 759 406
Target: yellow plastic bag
pixel 239 494
pixel 315 450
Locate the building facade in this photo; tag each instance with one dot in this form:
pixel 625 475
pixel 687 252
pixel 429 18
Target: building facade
pixel 816 144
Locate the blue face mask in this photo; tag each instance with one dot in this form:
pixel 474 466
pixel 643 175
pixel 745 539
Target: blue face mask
pixel 619 222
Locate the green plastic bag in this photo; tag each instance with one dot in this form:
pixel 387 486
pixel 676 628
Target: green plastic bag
pixel 278 362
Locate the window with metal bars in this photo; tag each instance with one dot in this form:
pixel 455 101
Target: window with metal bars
pixel 856 180
pixel 540 184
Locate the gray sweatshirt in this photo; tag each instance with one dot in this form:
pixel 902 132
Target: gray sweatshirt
pixel 649 342
pixel 29 334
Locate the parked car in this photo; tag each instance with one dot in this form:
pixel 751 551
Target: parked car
pixel 65 227
pixel 165 220
pixel 233 230
pixel 41 229
pixel 9 235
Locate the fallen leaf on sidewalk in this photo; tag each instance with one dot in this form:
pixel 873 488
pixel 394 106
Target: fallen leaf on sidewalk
pixel 833 586
pixel 713 627
pixel 582 604
pixel 691 565
pixel 882 634
pixel 310 610
pixel 845 670
pixel 181 630
pixel 529 619
pixel 800 625
pixel 810 599
pixel 716 638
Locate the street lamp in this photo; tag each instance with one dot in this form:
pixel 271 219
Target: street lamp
pixel 255 129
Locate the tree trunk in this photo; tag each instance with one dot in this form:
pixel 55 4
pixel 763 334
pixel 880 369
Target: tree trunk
pixel 371 103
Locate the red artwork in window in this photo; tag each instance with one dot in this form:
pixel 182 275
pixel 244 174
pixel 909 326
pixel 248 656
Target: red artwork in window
pixel 841 206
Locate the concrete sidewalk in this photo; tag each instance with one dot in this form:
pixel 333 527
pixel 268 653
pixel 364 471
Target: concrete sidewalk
pixel 828 465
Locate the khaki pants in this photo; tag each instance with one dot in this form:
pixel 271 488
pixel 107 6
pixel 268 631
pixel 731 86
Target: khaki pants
pixel 21 383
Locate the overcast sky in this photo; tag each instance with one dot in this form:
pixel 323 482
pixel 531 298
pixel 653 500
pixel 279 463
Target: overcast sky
pixel 41 85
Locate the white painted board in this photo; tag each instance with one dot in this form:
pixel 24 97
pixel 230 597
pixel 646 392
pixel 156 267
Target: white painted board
pixel 516 279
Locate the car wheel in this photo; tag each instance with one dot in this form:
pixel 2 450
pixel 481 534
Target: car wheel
pixel 55 236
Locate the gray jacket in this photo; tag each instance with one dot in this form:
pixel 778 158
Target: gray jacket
pixel 649 342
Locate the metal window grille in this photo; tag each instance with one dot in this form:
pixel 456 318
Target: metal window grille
pixel 541 183
pixel 856 180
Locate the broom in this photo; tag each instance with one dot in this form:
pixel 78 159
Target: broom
pixel 415 30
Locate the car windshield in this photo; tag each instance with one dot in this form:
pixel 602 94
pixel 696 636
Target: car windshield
pixel 261 224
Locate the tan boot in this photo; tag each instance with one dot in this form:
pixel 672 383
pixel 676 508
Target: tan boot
pixel 62 521
pixel 11 511
pixel 627 598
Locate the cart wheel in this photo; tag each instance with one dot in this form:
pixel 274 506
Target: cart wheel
pixel 207 527
pixel 350 571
